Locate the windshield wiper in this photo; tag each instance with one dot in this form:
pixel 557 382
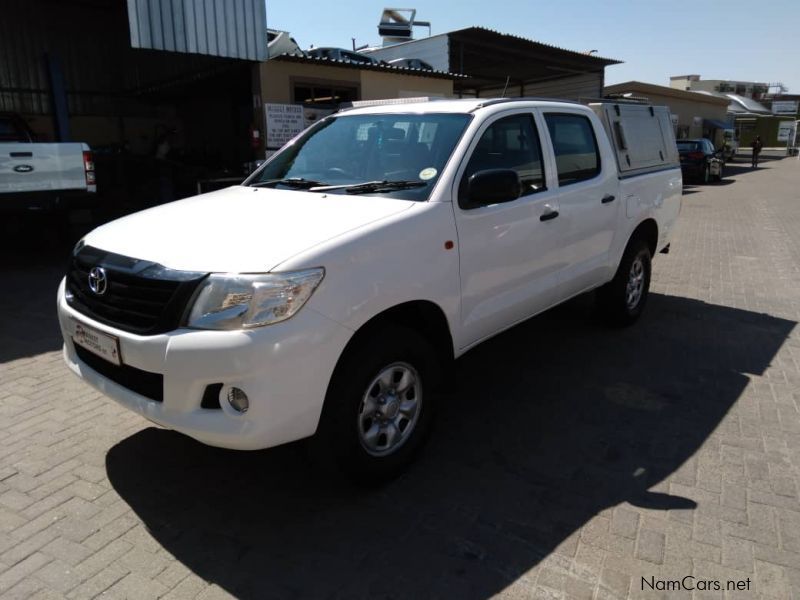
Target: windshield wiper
pixel 370 186
pixel 296 182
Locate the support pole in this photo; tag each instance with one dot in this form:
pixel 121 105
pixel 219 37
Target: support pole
pixel 58 98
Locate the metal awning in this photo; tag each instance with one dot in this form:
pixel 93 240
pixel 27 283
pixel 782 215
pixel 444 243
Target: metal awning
pixel 489 57
pixel 716 124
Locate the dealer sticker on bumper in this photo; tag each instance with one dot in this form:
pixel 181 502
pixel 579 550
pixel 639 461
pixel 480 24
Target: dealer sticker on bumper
pixel 99 343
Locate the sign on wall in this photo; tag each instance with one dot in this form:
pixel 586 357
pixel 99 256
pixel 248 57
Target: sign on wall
pixel 311 115
pixel 283 122
pixel 786 130
pixel 784 107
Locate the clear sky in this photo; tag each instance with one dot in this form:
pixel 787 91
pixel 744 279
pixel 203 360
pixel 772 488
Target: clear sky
pixel 717 39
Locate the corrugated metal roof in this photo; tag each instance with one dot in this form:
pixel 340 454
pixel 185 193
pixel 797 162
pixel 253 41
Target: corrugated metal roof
pixel 641 87
pixel 227 28
pixel 738 104
pixel 476 31
pixel 297 58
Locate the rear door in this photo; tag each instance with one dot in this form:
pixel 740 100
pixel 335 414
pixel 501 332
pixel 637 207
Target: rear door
pixel 587 196
pixel 31 167
pixel 509 252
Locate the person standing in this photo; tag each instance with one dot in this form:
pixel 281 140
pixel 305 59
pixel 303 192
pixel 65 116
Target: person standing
pixel 756 145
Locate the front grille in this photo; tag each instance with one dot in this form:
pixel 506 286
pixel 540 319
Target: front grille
pixel 140 297
pixel 147 384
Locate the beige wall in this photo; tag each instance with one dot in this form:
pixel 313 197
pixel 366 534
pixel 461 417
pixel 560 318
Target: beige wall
pixel 376 85
pixel 277 78
pixel 690 111
pixel 687 110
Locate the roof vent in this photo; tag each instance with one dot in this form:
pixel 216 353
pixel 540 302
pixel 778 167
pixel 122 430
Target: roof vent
pixel 397 25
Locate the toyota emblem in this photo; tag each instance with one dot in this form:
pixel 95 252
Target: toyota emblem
pixel 98 281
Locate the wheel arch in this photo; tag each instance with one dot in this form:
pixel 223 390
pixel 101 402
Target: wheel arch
pixel 423 316
pixel 647 231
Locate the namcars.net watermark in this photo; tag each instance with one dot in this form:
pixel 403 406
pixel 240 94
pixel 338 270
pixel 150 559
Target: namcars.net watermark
pixel 690 582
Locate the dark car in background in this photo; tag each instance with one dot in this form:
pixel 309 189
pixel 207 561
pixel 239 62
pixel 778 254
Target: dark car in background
pixel 700 161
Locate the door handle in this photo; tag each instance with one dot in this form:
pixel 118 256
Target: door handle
pixel 607 198
pixel 549 214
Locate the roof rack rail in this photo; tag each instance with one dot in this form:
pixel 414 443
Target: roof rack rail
pixel 493 101
pixel 582 100
pixel 384 102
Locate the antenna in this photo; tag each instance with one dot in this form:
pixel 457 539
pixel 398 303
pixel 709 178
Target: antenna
pixel 508 78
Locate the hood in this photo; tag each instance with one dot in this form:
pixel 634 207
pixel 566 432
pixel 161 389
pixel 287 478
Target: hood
pixel 239 229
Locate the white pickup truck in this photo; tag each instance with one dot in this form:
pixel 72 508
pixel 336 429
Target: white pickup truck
pixel 40 176
pixel 327 294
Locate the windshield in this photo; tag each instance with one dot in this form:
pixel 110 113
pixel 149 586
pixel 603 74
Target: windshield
pixel 397 155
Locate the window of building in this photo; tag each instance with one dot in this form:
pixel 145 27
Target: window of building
pixel 321 94
pixel 577 155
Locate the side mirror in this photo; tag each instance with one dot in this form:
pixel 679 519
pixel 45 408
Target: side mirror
pixel 492 186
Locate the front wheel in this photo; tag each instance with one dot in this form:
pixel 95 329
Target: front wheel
pixel 379 404
pixel 622 299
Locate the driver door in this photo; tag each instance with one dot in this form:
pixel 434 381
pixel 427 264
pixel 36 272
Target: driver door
pixel 509 252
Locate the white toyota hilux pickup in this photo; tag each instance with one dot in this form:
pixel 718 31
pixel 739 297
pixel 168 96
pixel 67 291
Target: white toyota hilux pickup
pixel 327 294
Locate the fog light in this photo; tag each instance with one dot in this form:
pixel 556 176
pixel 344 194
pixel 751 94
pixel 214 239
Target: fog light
pixel 238 400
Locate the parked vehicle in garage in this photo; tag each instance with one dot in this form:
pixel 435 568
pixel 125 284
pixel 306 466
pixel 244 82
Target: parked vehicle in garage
pixel 411 63
pixel 39 176
pixel 700 161
pixel 342 54
pixel 328 294
pixel 281 42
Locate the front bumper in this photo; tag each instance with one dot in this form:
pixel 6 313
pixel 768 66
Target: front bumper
pixel 284 369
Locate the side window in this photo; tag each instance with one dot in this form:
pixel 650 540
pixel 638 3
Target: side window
pixel 508 143
pixel 575 147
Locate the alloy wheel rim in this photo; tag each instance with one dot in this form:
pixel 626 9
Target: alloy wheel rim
pixel 635 287
pixel 389 410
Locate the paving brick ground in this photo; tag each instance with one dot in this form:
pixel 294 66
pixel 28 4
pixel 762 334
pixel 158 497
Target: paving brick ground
pixel 573 461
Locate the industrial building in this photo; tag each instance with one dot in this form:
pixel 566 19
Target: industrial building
pixel 174 97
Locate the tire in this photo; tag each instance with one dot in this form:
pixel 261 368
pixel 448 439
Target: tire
pixel 620 304
pixel 373 449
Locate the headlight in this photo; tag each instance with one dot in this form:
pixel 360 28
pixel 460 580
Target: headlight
pixel 232 301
